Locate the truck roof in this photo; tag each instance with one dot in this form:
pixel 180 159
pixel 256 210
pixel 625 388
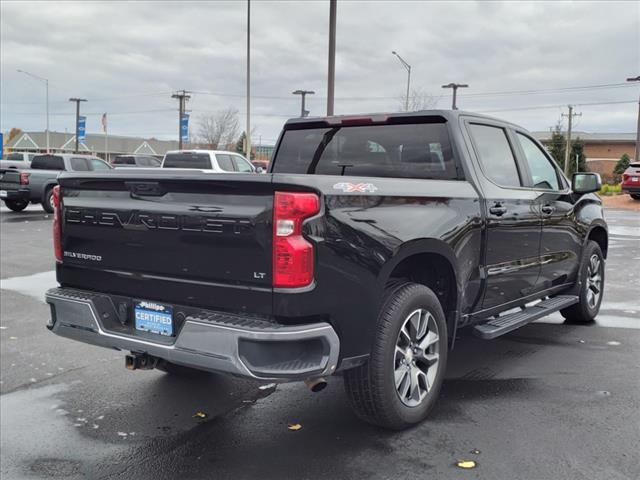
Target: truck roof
pixel 448 115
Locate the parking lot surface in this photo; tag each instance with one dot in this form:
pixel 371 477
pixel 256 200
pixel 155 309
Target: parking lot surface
pixel 551 400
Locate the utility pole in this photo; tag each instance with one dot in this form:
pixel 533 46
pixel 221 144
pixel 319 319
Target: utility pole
pixel 408 67
pixel 182 96
pixel 637 155
pixel 247 136
pixel 303 94
pixel 455 87
pixel 567 152
pixel 332 56
pixel 77 100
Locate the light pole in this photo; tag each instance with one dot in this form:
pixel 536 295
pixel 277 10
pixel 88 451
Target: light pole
pixel 637 155
pixel 46 82
pixel 331 68
pixel 247 135
pixel 303 94
pixel 455 87
pixel 408 67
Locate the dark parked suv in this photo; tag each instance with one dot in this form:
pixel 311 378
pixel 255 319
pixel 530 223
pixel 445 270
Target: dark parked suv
pixel 369 246
pixel 142 161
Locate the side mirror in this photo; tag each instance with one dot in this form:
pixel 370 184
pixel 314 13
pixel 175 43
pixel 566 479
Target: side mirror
pixel 586 182
pixel 260 170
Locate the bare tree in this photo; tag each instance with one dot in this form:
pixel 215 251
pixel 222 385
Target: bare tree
pixel 219 129
pixel 418 100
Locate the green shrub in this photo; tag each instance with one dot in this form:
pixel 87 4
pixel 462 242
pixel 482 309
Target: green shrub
pixel 607 189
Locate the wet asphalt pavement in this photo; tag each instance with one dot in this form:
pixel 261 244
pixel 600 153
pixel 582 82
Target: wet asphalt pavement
pixel 548 401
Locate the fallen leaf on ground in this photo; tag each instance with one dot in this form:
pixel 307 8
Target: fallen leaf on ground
pixel 294 426
pixel 200 415
pixel 466 464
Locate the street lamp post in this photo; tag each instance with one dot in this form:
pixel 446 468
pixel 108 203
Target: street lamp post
pixel 637 155
pixel 46 83
pixel 455 87
pixel 303 94
pixel 408 67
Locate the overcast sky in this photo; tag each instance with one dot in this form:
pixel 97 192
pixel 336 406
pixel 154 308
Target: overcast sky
pixel 127 57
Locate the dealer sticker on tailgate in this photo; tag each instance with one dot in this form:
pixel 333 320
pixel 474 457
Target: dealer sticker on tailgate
pixel 154 317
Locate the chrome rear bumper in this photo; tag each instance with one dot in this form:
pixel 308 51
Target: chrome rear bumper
pixel 207 340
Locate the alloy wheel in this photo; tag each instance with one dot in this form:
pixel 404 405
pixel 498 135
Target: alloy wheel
pixel 416 357
pixel 594 281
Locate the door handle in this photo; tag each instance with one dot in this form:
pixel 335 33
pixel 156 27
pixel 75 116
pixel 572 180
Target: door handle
pixel 498 210
pixel 548 209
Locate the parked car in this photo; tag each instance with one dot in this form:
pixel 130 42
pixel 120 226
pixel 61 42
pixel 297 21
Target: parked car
pixel 142 161
pixel 35 185
pixel 370 245
pixel 631 181
pixel 17 160
pixel 214 160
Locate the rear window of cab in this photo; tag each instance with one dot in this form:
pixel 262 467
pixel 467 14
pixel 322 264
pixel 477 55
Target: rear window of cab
pixel 411 150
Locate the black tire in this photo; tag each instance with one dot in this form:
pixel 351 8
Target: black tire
pixel 635 196
pixel 371 388
pixel 586 309
pixel 47 203
pixel 179 370
pixel 16 205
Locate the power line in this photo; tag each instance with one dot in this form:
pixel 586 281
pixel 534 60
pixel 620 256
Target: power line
pixel 104 99
pixel 480 94
pixel 542 107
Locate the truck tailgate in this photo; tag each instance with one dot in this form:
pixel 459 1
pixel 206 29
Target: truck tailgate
pixel 200 237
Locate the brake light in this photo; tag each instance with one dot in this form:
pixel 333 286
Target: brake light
pixel 24 178
pixel 57 222
pixel 625 177
pixel 292 253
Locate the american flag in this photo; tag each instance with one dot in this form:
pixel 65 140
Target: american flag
pixel 104 122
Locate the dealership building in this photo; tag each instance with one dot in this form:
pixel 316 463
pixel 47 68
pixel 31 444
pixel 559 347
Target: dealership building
pixel 104 146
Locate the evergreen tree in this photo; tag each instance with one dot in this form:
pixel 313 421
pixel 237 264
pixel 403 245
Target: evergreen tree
pixel 557 146
pixel 240 146
pixel 622 164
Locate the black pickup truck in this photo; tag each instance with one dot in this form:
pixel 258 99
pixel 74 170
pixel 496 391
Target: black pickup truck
pixel 369 246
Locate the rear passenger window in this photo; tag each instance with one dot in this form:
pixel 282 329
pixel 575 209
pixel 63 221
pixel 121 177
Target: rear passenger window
pixel 543 173
pixel 496 157
pixel 124 161
pixel 79 165
pixel 225 163
pixel 47 162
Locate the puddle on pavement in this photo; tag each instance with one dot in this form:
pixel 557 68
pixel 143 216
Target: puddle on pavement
pixel 38 437
pixel 31 285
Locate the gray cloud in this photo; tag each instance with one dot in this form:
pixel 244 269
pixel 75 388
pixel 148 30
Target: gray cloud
pixel 126 58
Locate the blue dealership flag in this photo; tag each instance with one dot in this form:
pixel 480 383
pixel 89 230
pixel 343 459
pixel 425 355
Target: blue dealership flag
pixel 82 128
pixel 184 127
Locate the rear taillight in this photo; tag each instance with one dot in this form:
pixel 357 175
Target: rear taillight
pixel 57 222
pixel 292 253
pixel 24 178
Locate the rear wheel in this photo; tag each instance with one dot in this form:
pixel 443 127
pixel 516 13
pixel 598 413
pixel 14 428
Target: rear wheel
pixel 16 205
pixel 635 196
pixel 47 203
pixel 592 278
pixel 399 384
